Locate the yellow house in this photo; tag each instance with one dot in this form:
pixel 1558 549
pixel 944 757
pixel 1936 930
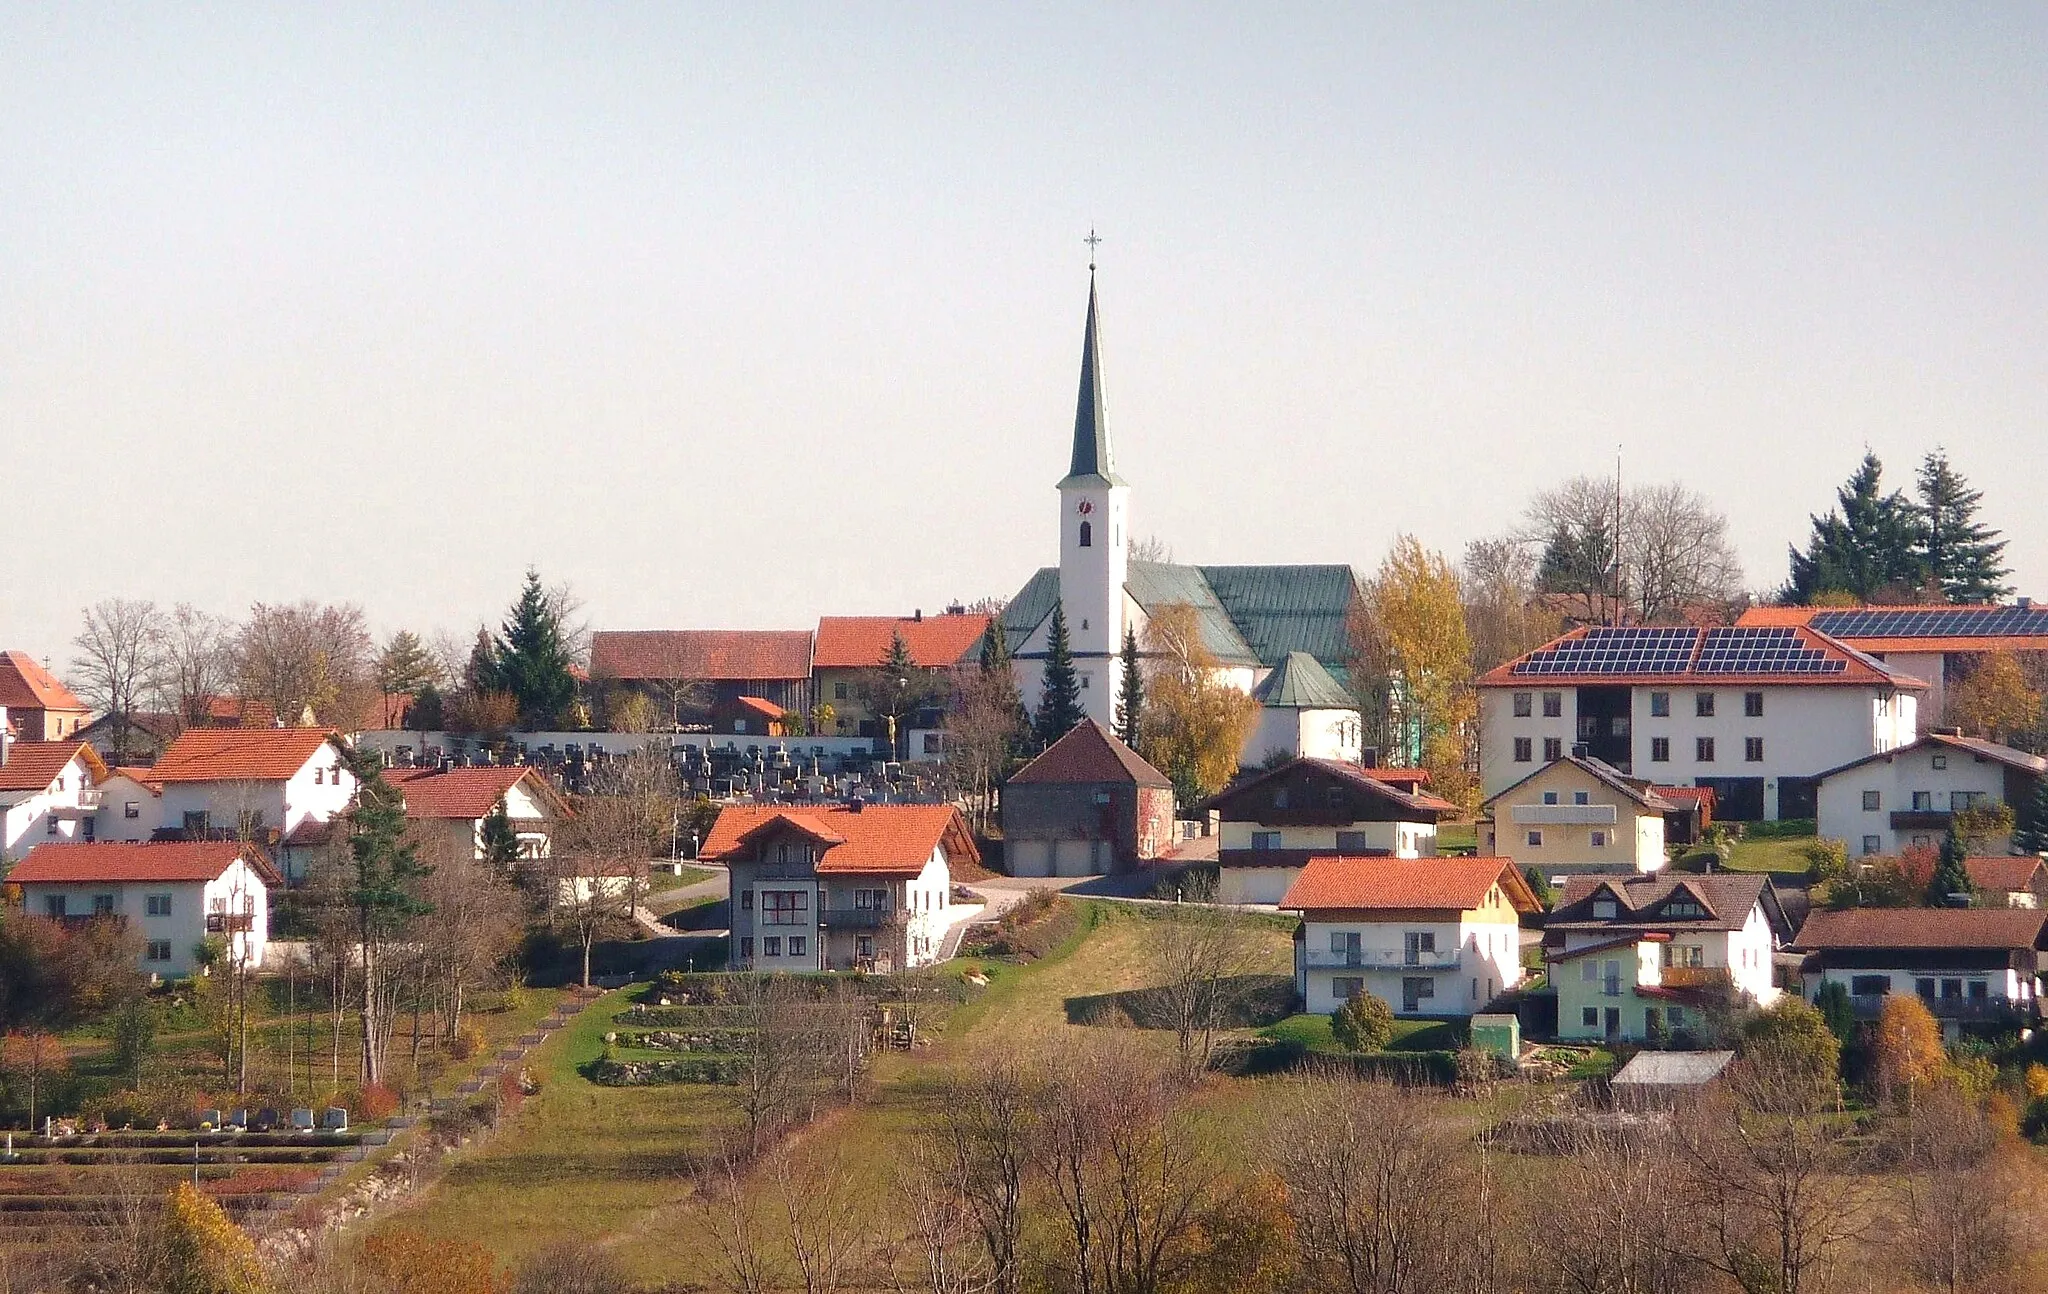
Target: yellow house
pixel 850 649
pixel 1577 815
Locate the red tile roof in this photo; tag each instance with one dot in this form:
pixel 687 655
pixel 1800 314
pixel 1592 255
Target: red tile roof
pixel 142 777
pixel 33 765
pixel 1090 753
pixel 1407 779
pixel 702 654
pixel 1884 928
pixel 465 792
pixel 25 685
pixel 234 711
pixel 194 860
pixel 878 839
pixel 1929 643
pixel 761 707
pixel 1698 797
pixel 1998 873
pixel 238 754
pixel 1447 884
pixel 856 642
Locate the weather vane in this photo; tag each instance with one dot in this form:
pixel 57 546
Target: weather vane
pixel 1091 240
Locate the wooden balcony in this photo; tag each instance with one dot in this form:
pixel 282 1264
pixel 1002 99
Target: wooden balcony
pixel 228 923
pixel 1921 819
pixel 1695 977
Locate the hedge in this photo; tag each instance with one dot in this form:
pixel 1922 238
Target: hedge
pixel 1276 1056
pixel 719 1041
pixel 658 1073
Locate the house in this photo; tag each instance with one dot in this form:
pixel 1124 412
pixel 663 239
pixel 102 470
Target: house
pixel 1886 803
pixel 1757 714
pixel 451 804
pixel 173 895
pixel 1303 711
pixel 1577 815
pixel 849 648
pixel 1635 957
pixel 1931 643
pixel 39 707
pixel 1963 963
pixel 130 805
pixel 258 783
pixel 1690 814
pixel 688 671
pixel 1428 936
pixel 2009 882
pixel 1088 805
pixel 48 792
pixel 1274 822
pixel 841 887
pixel 1248 617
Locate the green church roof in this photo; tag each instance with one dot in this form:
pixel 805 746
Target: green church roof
pixel 1298 682
pixel 1092 464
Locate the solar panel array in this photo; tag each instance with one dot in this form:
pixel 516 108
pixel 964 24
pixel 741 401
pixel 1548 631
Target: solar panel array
pixel 1957 622
pixel 1615 651
pixel 1763 651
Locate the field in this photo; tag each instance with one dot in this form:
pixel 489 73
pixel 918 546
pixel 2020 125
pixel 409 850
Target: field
pixel 1769 855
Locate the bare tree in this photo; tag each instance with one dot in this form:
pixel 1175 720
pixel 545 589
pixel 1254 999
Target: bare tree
pixel 306 655
pixel 1673 548
pixel 1614 1222
pixel 730 1220
pixel 126 1254
pixel 596 866
pixel 1502 613
pixel 572 1267
pixel 817 1195
pixel 1205 952
pixel 195 663
pixel 118 655
pixel 1954 1213
pixel 939 1250
pixel 1151 548
pixel 983 1139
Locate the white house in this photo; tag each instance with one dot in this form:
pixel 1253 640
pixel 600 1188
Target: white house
pixel 1963 963
pixel 1434 936
pixel 1886 803
pixel 1577 815
pixel 1757 714
pixel 260 783
pixel 173 895
pixel 1625 951
pixel 455 802
pixel 840 887
pixel 1304 711
pixel 1274 823
pixel 131 806
pixel 48 792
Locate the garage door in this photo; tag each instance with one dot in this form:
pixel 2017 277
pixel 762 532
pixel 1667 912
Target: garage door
pixel 1075 858
pixel 1030 857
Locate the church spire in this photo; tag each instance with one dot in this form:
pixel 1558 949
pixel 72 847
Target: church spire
pixel 1092 464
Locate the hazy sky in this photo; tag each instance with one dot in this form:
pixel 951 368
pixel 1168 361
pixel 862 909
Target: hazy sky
pixel 736 318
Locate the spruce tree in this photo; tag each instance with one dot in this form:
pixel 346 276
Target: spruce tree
pixel 1130 706
pixel 428 711
pixel 1059 704
pixel 2030 832
pixel 1961 554
pixel 1000 674
pixel 1950 876
pixel 482 674
pixel 532 659
pixel 405 666
pixel 381 896
pixel 500 840
pixel 1870 546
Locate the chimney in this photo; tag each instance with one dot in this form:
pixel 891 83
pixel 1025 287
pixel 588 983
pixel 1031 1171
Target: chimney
pixel 1369 757
pixel 1947 730
pixel 917 616
pixel 854 805
pixel 1580 750
pixel 2026 604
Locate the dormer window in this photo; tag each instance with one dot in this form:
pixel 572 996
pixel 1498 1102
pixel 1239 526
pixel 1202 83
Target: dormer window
pixel 1684 910
pixel 1603 909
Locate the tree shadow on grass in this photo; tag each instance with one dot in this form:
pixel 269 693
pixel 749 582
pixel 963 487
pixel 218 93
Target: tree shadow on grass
pixel 1249 1002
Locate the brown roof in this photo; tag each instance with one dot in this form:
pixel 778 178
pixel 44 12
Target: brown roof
pixel 2008 873
pixel 856 642
pixel 1635 788
pixel 701 654
pixel 2008 928
pixel 761 707
pixel 25 685
pixel 465 792
pixel 1976 747
pixel 1727 897
pixel 185 860
pixel 33 765
pixel 1449 884
pixel 877 839
pixel 238 754
pixel 1427 807
pixel 1090 753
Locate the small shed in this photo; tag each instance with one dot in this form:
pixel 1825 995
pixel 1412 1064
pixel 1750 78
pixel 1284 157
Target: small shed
pixel 1087 806
pixel 1498 1034
pixel 1658 1079
pixel 748 716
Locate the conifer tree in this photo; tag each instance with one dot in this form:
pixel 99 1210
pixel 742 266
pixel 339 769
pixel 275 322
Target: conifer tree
pixel 1059 704
pixel 381 896
pixel 532 659
pixel 999 674
pixel 481 674
pixel 1950 876
pixel 405 665
pixel 1960 553
pixel 1871 545
pixel 1130 706
pixel 500 840
pixel 428 711
pixel 2030 835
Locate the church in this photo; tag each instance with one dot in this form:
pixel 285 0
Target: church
pixel 1280 633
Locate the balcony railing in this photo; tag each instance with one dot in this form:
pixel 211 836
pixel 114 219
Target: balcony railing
pixel 1868 1005
pixel 80 920
pixel 86 802
pixel 225 923
pixel 1389 959
pixel 854 918
pixel 1564 815
pixel 1694 976
pixel 1920 819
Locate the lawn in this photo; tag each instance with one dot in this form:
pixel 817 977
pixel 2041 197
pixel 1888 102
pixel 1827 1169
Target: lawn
pixel 1769 855
pixel 1313 1032
pixel 686 875
pixel 1457 837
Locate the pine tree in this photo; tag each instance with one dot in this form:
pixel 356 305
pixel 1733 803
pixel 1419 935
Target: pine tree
pixel 500 841
pixel 1870 546
pixel 532 658
pixel 1000 675
pixel 482 674
pixel 1950 876
pixel 1960 553
pixel 381 896
pixel 1059 704
pixel 1130 704
pixel 406 666
pixel 1578 560
pixel 428 711
pixel 2030 834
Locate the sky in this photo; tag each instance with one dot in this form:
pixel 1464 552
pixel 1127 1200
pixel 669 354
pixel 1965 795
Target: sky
pixel 733 316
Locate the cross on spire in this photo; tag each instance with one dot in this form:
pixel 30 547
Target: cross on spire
pixel 1091 240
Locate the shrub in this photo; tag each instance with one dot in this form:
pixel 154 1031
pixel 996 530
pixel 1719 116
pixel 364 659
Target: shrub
pixel 1364 1023
pixel 469 1040
pixel 407 1260
pixel 375 1103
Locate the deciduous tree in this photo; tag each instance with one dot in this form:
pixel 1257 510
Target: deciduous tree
pixel 119 649
pixel 1413 636
pixel 1995 699
pixel 1196 723
pixel 1907 1043
pixel 306 655
pixel 195 662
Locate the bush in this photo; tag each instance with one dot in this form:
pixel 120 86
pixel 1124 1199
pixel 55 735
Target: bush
pixel 375 1103
pixel 469 1040
pixel 1364 1023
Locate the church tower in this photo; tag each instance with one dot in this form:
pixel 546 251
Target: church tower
pixel 1095 527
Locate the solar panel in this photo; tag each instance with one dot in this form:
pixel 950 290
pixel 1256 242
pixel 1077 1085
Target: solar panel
pixel 1774 650
pixel 1615 651
pixel 1950 622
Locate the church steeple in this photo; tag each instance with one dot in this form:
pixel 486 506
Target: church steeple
pixel 1092 463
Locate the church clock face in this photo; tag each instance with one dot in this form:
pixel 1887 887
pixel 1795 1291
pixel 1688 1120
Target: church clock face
pixel 1085 507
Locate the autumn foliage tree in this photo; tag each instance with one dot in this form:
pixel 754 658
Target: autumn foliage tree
pixel 204 1252
pixel 1415 662
pixel 1907 1047
pixel 1995 700
pixel 1195 722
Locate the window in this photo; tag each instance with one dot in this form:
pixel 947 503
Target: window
pixel 1753 750
pixel 1979 990
pixel 1923 801
pixel 1872 845
pixel 785 907
pixel 1951 988
pixel 1265 840
pixel 1938 762
pixel 1084 677
pixel 1589 972
pixel 156 905
pixel 798 945
pixel 1417 944
pixel 870 900
pixel 50 825
pixel 746 948
pixel 1415 990
pixel 1676 1015
pixel 1703 704
pixel 132 809
pixel 1553 705
pixel 249 822
pixel 1353 842
pixel 1346 987
pixel 1589 1016
pixel 157 950
pixel 1582 797
pixel 1703 749
pixel 771 946
pixel 1660 750
pixel 1610 978
pixel 1087 535
pixel 1603 909
pixel 53 905
pixel 1553 749
pixel 864 945
pixel 746 900
pixel 318 773
pixel 1958 801
pixel 931 743
pixel 1752 705
pixel 839 691
pixel 1522 709
pixel 1660 705
pixel 1599 840
pixel 1535 840
pixel 1522 748
pixel 1550 797
pixel 1872 800
pixel 1870 985
pixel 103 905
